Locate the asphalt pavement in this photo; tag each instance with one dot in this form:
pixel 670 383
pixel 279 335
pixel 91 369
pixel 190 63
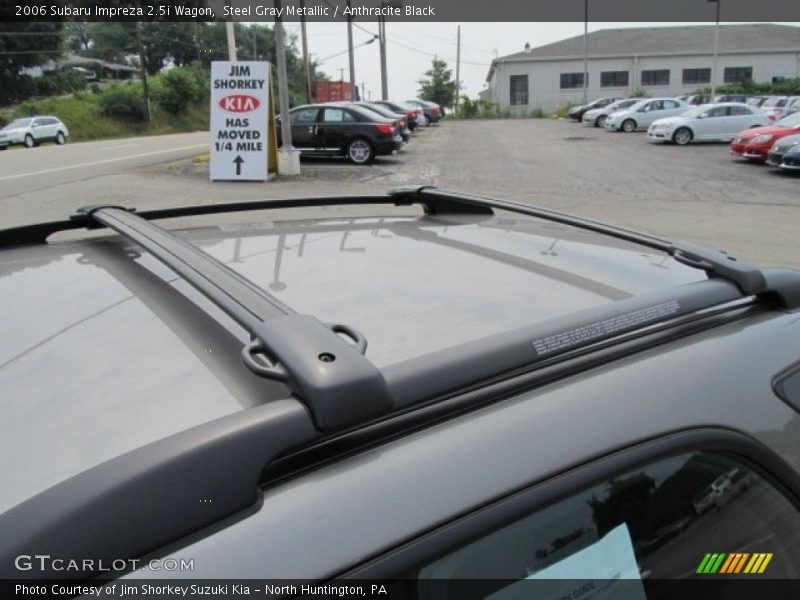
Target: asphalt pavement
pixel 698 192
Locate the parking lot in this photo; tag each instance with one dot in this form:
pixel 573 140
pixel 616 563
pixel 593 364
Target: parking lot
pixel 696 192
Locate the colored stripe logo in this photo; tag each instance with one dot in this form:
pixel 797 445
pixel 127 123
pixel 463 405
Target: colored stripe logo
pixel 734 563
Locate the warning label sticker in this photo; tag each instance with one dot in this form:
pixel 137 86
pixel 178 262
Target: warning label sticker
pixel 586 334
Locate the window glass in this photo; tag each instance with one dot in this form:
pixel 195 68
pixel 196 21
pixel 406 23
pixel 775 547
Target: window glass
pixel 307 115
pixel 655 77
pixel 519 89
pixel 694 76
pixel 663 521
pixel 349 118
pixel 614 79
pixel 738 111
pixel 333 115
pixel 717 111
pixel 670 104
pixel 571 80
pixel 737 74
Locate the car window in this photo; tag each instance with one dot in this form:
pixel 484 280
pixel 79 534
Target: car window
pixel 738 111
pixel 306 115
pixel 717 111
pixel 670 104
pixel 333 115
pixel 680 517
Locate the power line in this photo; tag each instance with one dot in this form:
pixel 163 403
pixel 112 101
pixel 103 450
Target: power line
pixel 435 55
pixel 441 39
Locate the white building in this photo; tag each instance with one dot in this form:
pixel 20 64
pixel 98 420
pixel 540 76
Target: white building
pixel 662 61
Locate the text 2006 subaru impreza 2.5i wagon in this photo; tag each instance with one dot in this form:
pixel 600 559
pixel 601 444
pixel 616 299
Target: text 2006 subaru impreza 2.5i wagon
pixel 474 399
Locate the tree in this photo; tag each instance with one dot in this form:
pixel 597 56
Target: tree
pixel 438 85
pixel 25 45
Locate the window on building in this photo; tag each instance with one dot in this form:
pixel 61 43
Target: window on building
pixel 695 76
pixel 571 80
pixel 738 74
pixel 614 79
pixel 519 89
pixel 655 77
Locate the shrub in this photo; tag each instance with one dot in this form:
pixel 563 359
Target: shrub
pixel 562 111
pixel 537 113
pixel 60 82
pixel 123 102
pixel 95 89
pixel 640 94
pixel 176 90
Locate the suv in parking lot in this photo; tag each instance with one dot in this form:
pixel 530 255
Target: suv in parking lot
pixel 453 395
pixel 32 131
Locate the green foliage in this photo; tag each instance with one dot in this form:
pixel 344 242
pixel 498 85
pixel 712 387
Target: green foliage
pixel 640 94
pixel 478 109
pixel 787 87
pixel 438 85
pixel 123 102
pixel 59 82
pixel 22 51
pixel 538 113
pixel 176 90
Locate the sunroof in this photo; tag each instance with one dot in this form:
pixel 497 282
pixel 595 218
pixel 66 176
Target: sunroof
pixel 414 286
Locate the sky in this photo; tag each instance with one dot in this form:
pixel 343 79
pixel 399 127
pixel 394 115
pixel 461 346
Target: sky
pixel 412 46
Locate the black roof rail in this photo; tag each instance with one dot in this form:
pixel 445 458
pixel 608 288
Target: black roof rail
pixel 330 376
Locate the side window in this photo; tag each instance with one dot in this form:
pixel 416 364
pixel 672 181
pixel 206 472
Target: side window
pixel 308 115
pixel 333 115
pixel 719 111
pixel 740 111
pixel 350 118
pixel 688 516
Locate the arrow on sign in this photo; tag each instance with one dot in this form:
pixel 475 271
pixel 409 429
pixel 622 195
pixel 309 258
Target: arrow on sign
pixel 238 160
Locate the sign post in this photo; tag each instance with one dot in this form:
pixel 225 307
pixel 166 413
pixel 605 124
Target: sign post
pixel 240 129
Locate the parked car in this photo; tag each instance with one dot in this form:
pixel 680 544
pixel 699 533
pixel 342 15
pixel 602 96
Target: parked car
pixel 349 131
pixel 401 118
pixel 791 159
pixel 780 148
pixel 698 99
pixel 411 399
pixel 710 122
pixel 641 114
pixel 754 144
pixel 576 112
pixel 433 113
pixel 775 107
pixel 731 98
pixel 596 117
pixel 409 111
pixel 757 100
pixel 32 131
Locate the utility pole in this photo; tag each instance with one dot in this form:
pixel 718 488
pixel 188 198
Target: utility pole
pixel 306 66
pixel 458 69
pixel 230 34
pixel 716 51
pixel 353 91
pixel 253 29
pixel 143 73
pixel 585 51
pixel 382 34
pixel 288 157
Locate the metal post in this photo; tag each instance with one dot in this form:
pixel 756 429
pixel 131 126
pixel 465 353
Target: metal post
pixel 353 92
pixel 382 34
pixel 143 74
pixel 230 34
pixel 288 158
pixel 458 69
pixel 716 52
pixel 306 66
pixel 585 50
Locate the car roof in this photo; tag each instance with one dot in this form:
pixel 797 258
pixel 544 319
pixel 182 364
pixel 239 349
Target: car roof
pixel 269 351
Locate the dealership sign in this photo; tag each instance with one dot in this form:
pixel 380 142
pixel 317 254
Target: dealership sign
pixel 239 124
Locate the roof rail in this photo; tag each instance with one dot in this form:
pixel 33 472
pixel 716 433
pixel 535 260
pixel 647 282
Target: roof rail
pixel 330 376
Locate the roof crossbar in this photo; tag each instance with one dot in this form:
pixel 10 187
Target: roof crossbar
pixel 331 376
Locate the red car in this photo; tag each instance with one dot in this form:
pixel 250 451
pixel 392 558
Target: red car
pixel 754 144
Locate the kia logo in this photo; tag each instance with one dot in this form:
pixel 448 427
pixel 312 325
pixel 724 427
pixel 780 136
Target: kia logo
pixel 239 103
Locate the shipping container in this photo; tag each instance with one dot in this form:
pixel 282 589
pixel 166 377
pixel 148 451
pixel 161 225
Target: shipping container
pixel 333 91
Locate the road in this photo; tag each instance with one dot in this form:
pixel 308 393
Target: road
pixel 698 192
pixel 35 173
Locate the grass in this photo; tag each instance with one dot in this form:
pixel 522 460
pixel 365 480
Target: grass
pixel 81 114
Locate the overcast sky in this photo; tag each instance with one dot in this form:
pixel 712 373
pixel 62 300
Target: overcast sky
pixel 412 46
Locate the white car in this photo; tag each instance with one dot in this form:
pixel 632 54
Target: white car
pixel 644 112
pixel 709 122
pixel 32 131
pixel 597 116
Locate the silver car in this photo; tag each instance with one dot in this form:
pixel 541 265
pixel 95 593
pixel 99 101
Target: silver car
pixel 643 113
pixel 541 399
pixel 708 122
pixel 32 131
pixel 597 116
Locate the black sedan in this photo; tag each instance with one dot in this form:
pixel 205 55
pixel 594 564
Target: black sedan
pixel 432 111
pixel 402 119
pixel 576 112
pixel 409 111
pixel 339 130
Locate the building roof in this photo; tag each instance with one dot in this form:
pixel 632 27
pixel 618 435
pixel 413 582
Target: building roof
pixel 687 39
pixel 75 59
pixel 649 41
